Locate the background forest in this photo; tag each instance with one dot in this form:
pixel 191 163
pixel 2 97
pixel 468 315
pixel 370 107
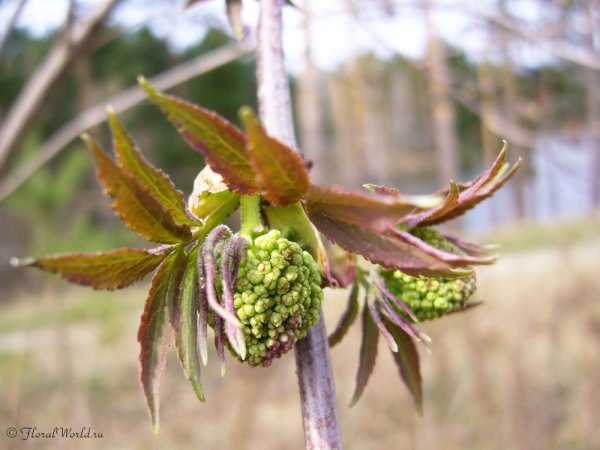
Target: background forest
pixel 519 372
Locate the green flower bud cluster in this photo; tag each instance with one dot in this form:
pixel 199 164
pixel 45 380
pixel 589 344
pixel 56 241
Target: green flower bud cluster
pixel 430 298
pixel 277 296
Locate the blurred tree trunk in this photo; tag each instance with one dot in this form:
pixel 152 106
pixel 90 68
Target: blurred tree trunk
pixel 310 110
pixel 445 139
pixel 511 114
pixel 593 113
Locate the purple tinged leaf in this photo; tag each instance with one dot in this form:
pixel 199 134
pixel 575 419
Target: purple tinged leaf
pixel 373 213
pixel 407 360
pixel 381 190
pixel 380 284
pixel 368 354
pixel 130 159
pixel 481 188
pixel 208 255
pixel 281 171
pixel 116 269
pixel 342 264
pixel 221 143
pixel 202 312
pixel 186 339
pixel 156 332
pixel 219 342
pixel 449 203
pixel 383 249
pixel 471 248
pixel 392 315
pixel 137 207
pixel 452 259
pixel 347 318
pixel 231 256
pixel 378 321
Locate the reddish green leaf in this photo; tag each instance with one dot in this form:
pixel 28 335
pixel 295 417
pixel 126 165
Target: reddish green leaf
pixel 221 143
pixel 342 264
pixel 186 339
pixel 156 332
pixel 375 213
pixel 158 183
pixel 381 190
pixel 368 354
pixel 383 249
pixel 108 270
pixel 134 203
pixel 478 190
pixel 281 171
pixel 347 318
pixel 407 360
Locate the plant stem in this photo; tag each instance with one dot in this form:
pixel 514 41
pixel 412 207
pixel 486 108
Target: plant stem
pixel 250 210
pixel 313 364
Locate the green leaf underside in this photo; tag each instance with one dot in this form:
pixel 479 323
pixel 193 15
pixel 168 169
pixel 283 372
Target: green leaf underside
pixel 281 171
pixel 347 318
pixel 375 213
pixel 156 332
pixel 368 354
pixel 116 269
pixel 130 159
pixel 385 250
pixel 134 203
pixel 221 143
pixel 294 217
pixel 186 339
pixel 407 360
pixel 478 190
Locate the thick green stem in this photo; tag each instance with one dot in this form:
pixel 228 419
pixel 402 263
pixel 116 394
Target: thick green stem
pixel 250 209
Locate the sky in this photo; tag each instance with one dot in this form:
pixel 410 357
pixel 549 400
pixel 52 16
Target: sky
pixel 336 36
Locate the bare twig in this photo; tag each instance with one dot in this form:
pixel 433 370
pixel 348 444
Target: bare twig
pixel 313 365
pixel 49 74
pixel 121 102
pixel 11 23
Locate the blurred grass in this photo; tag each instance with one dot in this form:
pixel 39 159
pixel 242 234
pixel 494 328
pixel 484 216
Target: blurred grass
pixel 519 372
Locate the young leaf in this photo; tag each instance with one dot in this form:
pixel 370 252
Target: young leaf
pixel 368 354
pixel 281 171
pixel 478 190
pixel 449 203
pixel 383 249
pixel 156 332
pixel 103 270
pixel 186 339
pixel 158 183
pixel 347 318
pixel 134 203
pixel 221 143
pixel 375 213
pixel 407 360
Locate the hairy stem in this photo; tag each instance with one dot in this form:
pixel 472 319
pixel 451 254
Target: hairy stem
pixel 250 209
pixel 315 377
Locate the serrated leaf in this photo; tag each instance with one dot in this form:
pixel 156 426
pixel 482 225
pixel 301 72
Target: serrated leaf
pixel 407 360
pixel 186 339
pixel 347 318
pixel 134 203
pixel 156 332
pixel 234 14
pixel 449 203
pixel 102 270
pixel 368 354
pixel 381 190
pixel 130 159
pixel 221 143
pixel 375 213
pixel 383 249
pixel 478 190
pixel 281 171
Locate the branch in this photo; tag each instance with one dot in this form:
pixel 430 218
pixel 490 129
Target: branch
pixel 313 365
pixel 43 82
pixel 11 23
pixel 121 102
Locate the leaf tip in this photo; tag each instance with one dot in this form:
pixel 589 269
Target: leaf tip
pixel 146 86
